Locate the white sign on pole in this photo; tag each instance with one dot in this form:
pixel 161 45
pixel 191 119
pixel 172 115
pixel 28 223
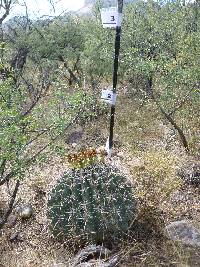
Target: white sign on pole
pixel 108 150
pixel 110 17
pixel 109 96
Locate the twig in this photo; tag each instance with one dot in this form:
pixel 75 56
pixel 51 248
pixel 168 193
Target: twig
pixel 34 158
pixel 10 207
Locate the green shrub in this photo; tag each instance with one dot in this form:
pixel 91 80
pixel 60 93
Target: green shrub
pixel 94 204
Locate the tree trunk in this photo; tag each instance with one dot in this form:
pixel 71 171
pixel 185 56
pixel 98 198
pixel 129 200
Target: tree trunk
pixel 177 128
pixel 166 115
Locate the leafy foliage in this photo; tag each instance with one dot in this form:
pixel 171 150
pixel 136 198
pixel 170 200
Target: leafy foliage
pixel 160 55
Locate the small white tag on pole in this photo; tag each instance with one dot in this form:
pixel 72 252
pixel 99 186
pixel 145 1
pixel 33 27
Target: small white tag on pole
pixel 107 149
pixel 110 17
pixel 109 96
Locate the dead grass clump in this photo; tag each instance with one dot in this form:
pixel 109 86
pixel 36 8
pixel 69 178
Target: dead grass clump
pixel 156 178
pixel 149 223
pixel 156 253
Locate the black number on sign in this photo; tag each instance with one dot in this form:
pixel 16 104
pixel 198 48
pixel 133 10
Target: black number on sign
pixel 112 18
pixel 109 95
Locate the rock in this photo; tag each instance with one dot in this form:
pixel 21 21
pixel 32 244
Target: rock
pixel 183 231
pixel 121 154
pixel 191 175
pixel 26 211
pixel 101 149
pixel 91 256
pixel 74 137
pixel 74 145
pixel 91 263
pixel 94 263
pixel 12 221
pixel 14 237
pixel 112 262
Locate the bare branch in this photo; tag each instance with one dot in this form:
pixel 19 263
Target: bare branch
pixel 6 6
pixel 53 5
pixel 10 207
pixel 173 123
pixel 2 167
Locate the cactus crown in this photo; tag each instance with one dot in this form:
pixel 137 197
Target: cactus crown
pixel 83 158
pixel 94 204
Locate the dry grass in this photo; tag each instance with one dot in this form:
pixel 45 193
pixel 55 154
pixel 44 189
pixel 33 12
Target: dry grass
pixel 34 245
pixel 149 153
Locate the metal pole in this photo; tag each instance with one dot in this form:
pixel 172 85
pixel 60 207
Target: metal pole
pixel 115 74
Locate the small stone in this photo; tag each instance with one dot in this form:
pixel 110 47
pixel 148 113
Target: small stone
pixel 191 175
pixel 120 154
pixel 14 237
pixel 74 137
pixel 91 251
pixel 12 220
pixel 73 145
pixel 26 211
pixel 183 231
pixel 101 149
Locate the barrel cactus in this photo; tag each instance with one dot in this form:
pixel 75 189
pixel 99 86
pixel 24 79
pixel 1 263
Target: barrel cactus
pixel 94 205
